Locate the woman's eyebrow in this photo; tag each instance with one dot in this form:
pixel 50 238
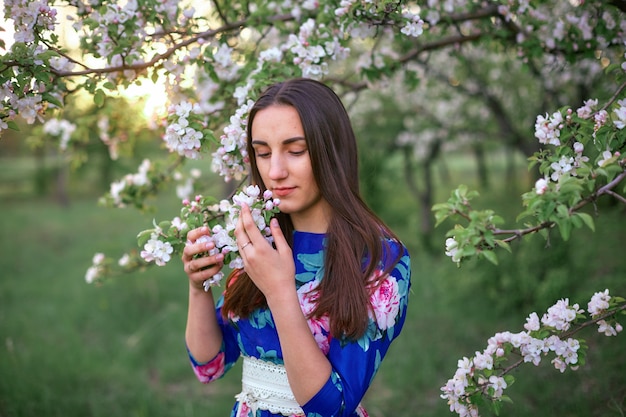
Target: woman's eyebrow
pixel 285 142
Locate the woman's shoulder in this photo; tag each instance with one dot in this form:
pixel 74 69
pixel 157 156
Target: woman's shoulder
pixel 394 245
pixel 394 253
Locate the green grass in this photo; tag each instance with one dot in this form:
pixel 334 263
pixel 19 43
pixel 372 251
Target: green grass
pixel 72 349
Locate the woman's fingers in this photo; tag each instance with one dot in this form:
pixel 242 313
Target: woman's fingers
pixel 200 259
pixel 195 244
pixel 194 234
pixel 246 230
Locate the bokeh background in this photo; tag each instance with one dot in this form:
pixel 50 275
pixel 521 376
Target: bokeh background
pixel 75 349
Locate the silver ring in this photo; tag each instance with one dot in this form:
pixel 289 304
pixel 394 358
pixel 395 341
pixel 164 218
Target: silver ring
pixel 246 244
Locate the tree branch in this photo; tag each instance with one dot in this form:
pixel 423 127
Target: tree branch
pixel 165 55
pixel 606 189
pixel 508 369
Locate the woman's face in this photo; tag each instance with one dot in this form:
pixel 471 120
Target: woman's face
pixel 282 158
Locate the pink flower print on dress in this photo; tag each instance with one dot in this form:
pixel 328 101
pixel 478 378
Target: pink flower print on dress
pixel 386 302
pixel 320 329
pixel 244 410
pixel 320 326
pixel 211 370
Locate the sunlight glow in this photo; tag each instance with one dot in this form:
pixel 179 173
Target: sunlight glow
pixel 7 33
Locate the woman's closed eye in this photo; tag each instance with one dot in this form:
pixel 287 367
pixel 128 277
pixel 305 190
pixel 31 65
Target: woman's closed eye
pixel 263 153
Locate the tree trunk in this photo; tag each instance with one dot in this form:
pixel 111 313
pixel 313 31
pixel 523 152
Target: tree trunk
pixel 481 164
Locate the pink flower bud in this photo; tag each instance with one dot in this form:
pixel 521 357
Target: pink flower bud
pixel 578 147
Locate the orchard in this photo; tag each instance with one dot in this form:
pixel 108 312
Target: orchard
pixel 457 71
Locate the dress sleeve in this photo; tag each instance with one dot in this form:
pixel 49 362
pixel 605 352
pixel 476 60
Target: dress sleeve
pixel 225 359
pixel 355 362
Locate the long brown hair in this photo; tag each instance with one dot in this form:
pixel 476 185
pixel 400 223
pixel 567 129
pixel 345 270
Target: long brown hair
pixel 354 233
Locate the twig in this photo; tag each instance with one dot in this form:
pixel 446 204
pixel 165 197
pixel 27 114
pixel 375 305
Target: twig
pixel 614 97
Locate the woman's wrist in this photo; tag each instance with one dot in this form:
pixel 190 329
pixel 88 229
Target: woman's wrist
pixel 282 297
pixel 198 289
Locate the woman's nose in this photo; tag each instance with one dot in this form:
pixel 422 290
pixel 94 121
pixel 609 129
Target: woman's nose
pixel 278 169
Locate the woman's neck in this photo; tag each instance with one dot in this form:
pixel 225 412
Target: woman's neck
pixel 311 224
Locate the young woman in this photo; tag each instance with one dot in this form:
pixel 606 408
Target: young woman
pixel 314 314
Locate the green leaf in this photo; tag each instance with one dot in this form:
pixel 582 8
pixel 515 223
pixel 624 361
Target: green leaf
pixel 496 406
pixel 562 211
pixel 98 97
pixel 12 125
pixel 506 399
pixel 143 237
pixel 51 99
pixel 504 245
pixel 588 220
pixel 491 256
pixel 565 227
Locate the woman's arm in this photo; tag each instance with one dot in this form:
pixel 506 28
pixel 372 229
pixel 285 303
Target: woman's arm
pixel 202 335
pixel 355 362
pixel 307 367
pixel 273 272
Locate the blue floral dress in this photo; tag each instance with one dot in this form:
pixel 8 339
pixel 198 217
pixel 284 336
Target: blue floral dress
pixel 354 363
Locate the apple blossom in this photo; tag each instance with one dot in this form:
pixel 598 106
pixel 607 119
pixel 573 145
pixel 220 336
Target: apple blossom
pixel 553 335
pixel 548 128
pixel 541 186
pixel 620 114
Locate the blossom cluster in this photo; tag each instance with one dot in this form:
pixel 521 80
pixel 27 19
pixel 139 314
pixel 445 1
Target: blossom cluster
pixel 103 267
pixel 130 184
pixel 170 237
pixel 548 130
pixel 96 269
pixel 414 25
pixel 30 15
pixel 61 128
pixel 181 136
pixel 230 158
pixel 484 373
pixel 186 183
pixel 29 107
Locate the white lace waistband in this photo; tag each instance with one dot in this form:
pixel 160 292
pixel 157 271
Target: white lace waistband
pixel 264 386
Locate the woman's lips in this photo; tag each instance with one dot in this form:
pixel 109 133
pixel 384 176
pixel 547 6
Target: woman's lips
pixel 282 191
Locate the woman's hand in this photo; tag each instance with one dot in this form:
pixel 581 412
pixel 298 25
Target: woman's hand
pixel 198 264
pixel 271 270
